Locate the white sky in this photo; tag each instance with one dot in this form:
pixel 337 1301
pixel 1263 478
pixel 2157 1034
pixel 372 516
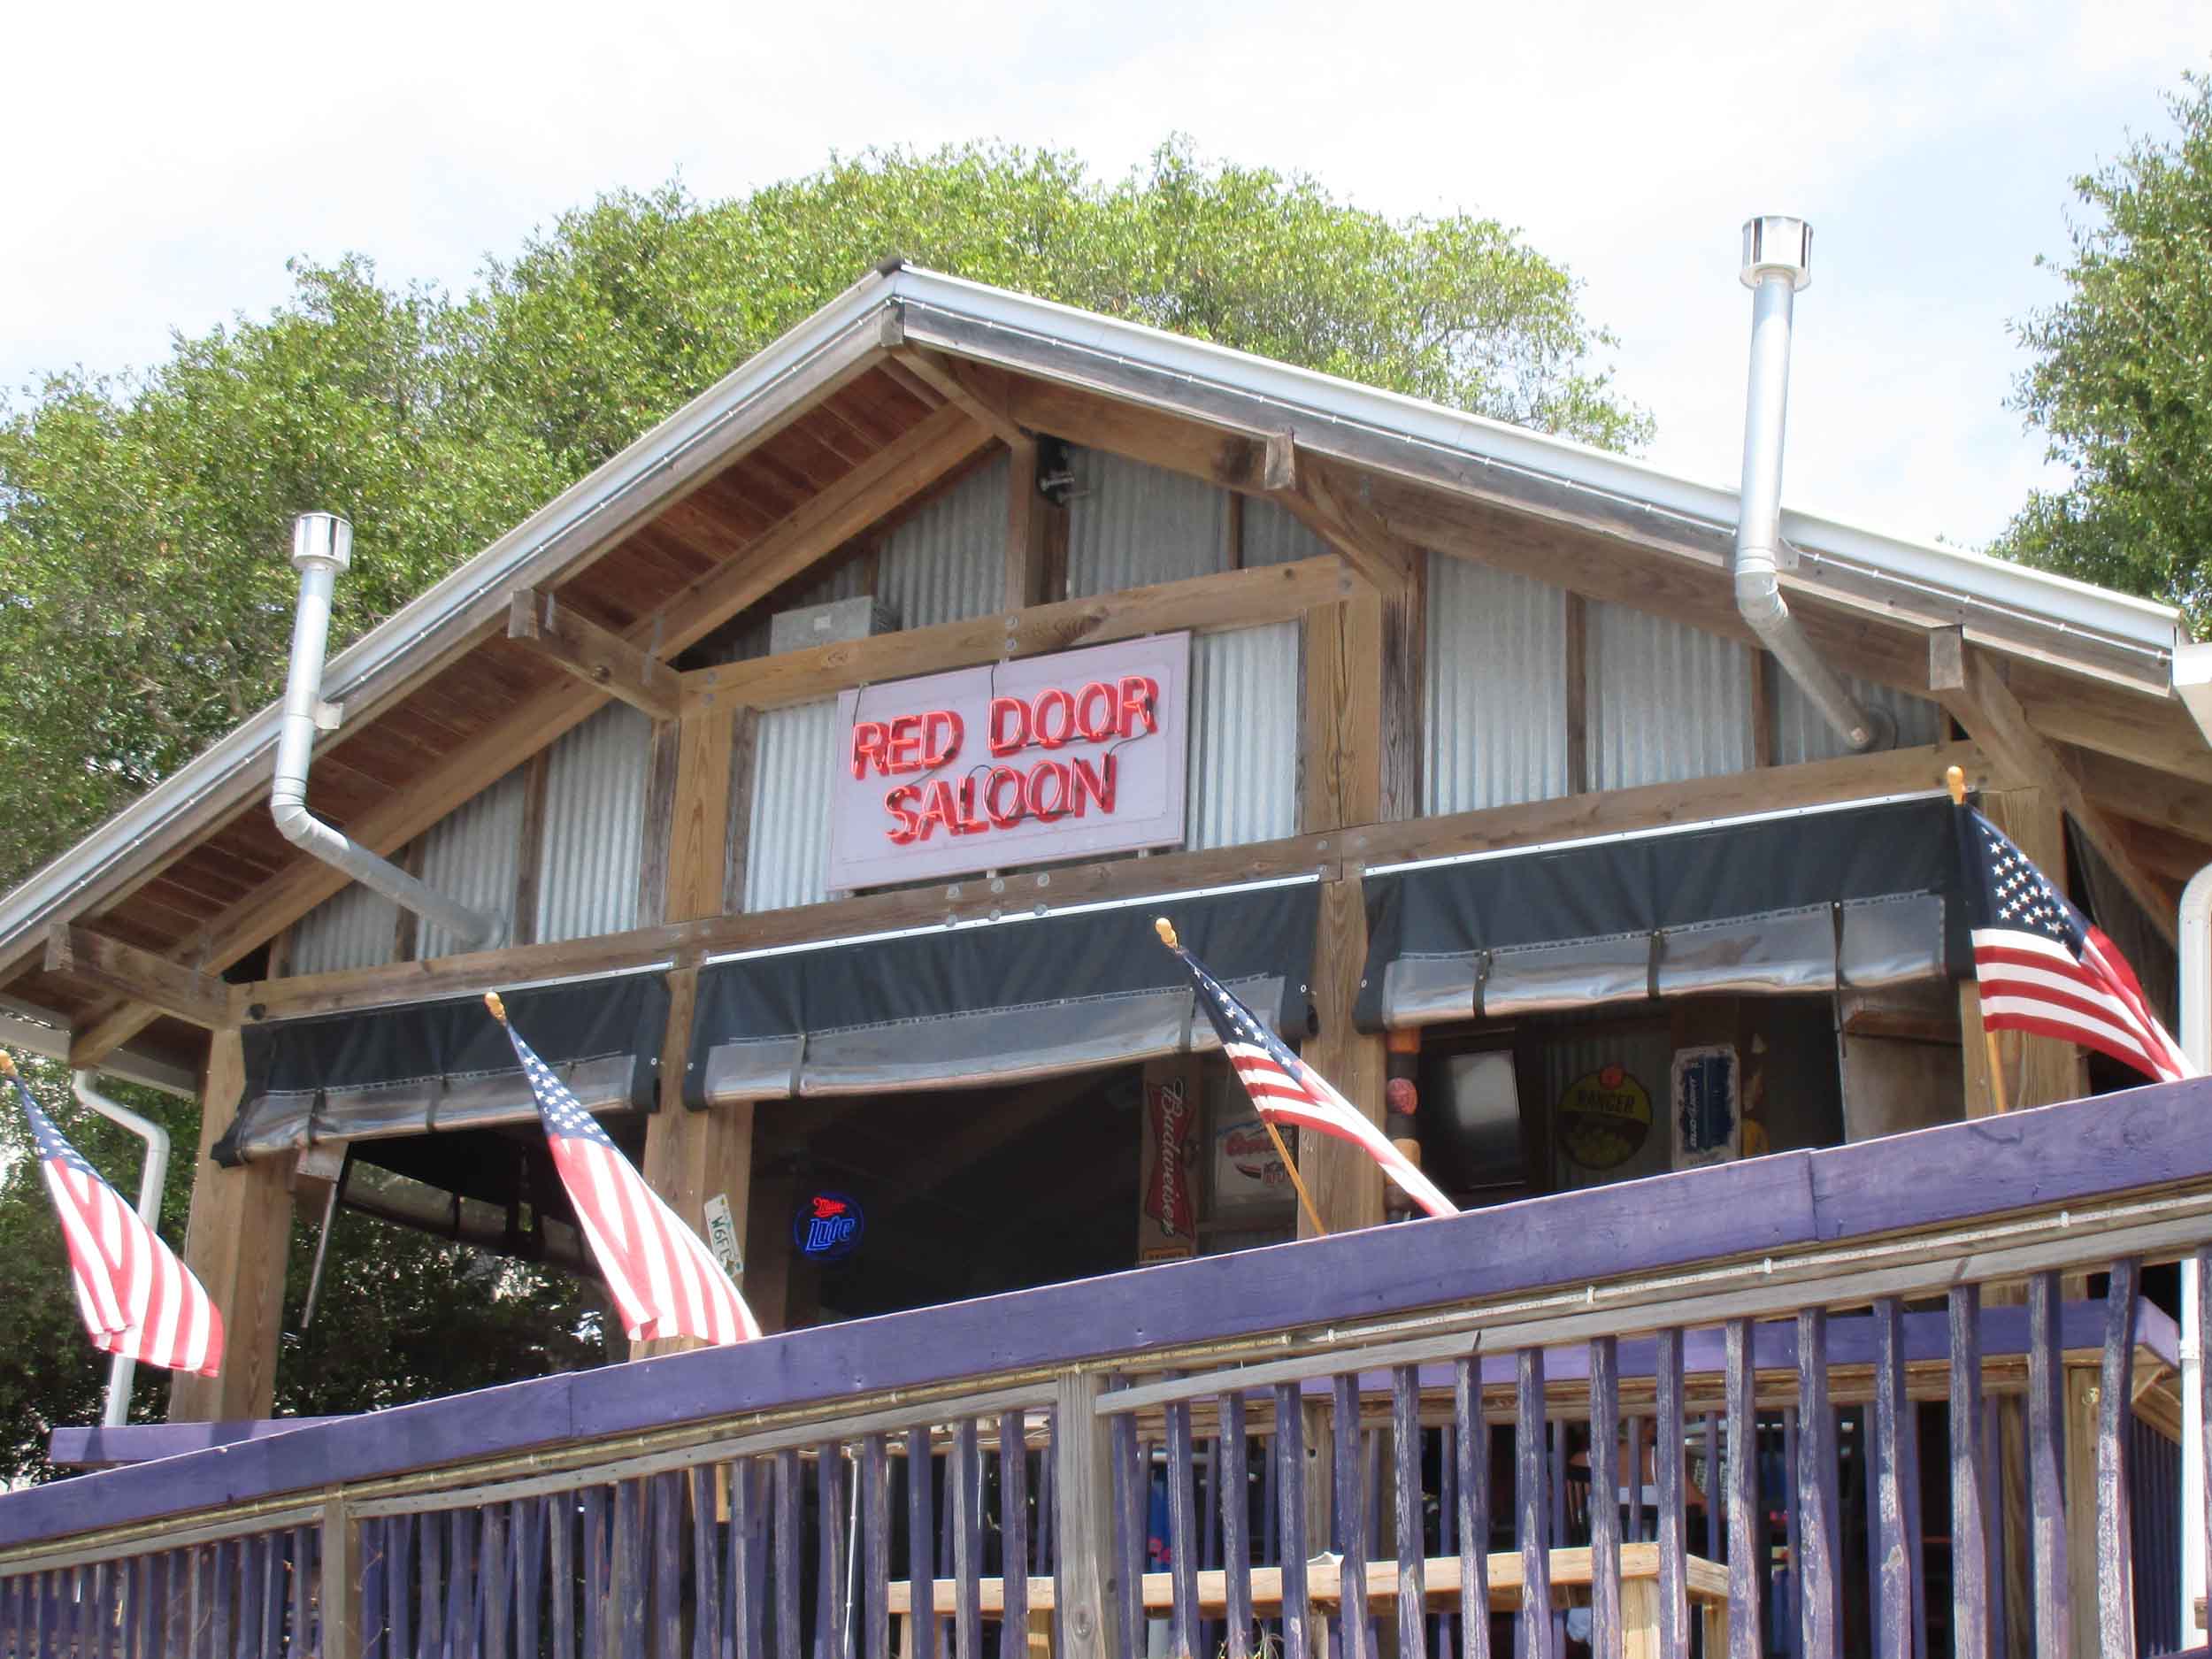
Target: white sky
pixel 169 158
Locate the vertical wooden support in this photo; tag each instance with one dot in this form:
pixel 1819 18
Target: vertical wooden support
pixel 2116 1408
pixel 1403 668
pixel 530 854
pixel 1236 1546
pixel 1351 1516
pixel 340 1588
pixel 1747 1523
pixel 1666 1452
pixel 235 1243
pixel 1405 1450
pixel 1819 1523
pixel 1347 1185
pixel 1896 1574
pixel 1027 513
pixel 830 1639
pixel 1970 1526
pixel 1470 1453
pixel 1532 1504
pixel 1182 1535
pixel 1605 1484
pixel 1290 1497
pixel 964 1486
pixel 1013 1526
pixel 1575 666
pixel 1083 1522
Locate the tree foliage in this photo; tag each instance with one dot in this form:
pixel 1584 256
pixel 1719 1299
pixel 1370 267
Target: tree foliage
pixel 2123 383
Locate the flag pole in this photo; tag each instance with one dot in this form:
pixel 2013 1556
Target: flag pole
pixel 1166 929
pixel 1954 779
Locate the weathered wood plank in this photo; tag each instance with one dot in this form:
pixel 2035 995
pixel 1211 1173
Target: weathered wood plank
pixel 1233 1491
pixel 745 1563
pixel 1349 1485
pixel 665 1544
pixel 597 656
pixel 1182 1538
pixel 1605 1481
pixel 875 1548
pixel 498 1581
pixel 2049 1547
pixel 1746 1519
pixel 1471 1455
pixel 1896 1578
pixel 1818 1522
pixel 790 1538
pixel 167 986
pixel 1290 1498
pixel 1666 1451
pixel 1405 1486
pixel 963 1479
pixel 526 1526
pixel 832 1640
pixel 1013 1528
pixel 1130 1494
pixel 1087 1571
pixel 2116 1561
pixel 1970 1555
pixel 1535 1520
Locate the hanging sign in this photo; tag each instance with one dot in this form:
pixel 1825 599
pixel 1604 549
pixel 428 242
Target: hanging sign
pixel 1604 1118
pixel 1169 1227
pixel 1015 763
pixel 1707 1109
pixel 827 1226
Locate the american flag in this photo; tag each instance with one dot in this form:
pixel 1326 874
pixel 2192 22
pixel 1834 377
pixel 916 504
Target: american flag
pixel 1285 1088
pixel 138 1301
pixel 2045 968
pixel 663 1281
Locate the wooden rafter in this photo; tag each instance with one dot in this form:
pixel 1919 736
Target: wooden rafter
pixel 1967 681
pixel 168 987
pixel 1327 501
pixel 597 656
pixel 941 375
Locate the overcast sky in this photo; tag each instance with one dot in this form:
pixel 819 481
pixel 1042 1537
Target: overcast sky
pixel 169 158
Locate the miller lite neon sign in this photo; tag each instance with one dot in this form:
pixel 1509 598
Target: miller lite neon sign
pixel 1014 762
pixel 827 1226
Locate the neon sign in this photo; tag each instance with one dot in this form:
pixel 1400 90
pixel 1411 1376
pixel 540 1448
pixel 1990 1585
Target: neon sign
pixel 827 1226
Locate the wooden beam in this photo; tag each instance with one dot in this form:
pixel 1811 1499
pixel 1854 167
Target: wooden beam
pixel 2128 789
pixel 939 375
pixel 1027 518
pixel 1328 502
pixel 597 656
pixel 1346 1183
pixel 1969 684
pixel 168 987
pixel 1816 783
pixel 1340 747
pixel 1228 599
pixel 824 522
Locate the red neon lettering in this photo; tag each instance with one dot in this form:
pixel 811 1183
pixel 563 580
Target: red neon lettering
pixel 867 745
pixel 1010 724
pixel 1003 816
pixel 1054 700
pixel 937 808
pixel 902 747
pixel 967 823
pixel 1061 789
pixel 1097 728
pixel 942 731
pixel 1089 783
pixel 896 804
pixel 1140 696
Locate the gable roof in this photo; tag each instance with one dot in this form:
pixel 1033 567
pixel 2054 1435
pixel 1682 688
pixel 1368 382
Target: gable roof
pixel 709 510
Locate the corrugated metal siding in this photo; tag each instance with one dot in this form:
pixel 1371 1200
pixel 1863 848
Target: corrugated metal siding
pixel 1801 734
pixel 1273 536
pixel 787 840
pixel 947 562
pixel 1495 719
pixel 1667 702
pixel 1243 737
pixel 353 928
pixel 472 855
pixel 1130 525
pixel 595 825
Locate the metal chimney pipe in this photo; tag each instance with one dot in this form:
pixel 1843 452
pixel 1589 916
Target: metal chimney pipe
pixel 322 545
pixel 1777 263
pixel 122 1370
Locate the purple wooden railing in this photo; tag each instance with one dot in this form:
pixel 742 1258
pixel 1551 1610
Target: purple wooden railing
pixel 1747 1357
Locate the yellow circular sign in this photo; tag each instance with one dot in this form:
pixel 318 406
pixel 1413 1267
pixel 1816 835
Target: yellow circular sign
pixel 1604 1118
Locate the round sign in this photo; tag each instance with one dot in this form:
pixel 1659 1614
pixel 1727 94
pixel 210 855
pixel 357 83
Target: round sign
pixel 1604 1118
pixel 827 1226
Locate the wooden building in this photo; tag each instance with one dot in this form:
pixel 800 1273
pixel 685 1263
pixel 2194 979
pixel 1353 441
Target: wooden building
pixel 825 867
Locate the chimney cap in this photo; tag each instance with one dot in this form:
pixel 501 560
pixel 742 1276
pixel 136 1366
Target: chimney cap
pixel 1774 244
pixel 319 538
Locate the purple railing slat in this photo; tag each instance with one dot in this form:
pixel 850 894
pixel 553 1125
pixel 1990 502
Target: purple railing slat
pixel 498 1580
pixel 1047 1563
pixel 1605 1510
pixel 376 1567
pixel 1209 1517
pixel 525 1529
pixel 1182 1535
pixel 962 1477
pixel 2046 1481
pixel 1672 1528
pixel 1268 1534
pixel 224 1559
pixel 399 1570
pixel 1350 1505
pixel 1470 1451
pixel 1635 1450
pixel 1405 1452
pixel 1970 1526
pixel 667 1495
pixel 1819 1523
pixel 1234 1490
pixel 429 1588
pixel 1715 1484
pixel 1993 1511
pixel 830 1636
pixel 875 1547
pixel 1534 1506
pixel 921 1547
pixel 271 1605
pixel 560 1572
pixel 742 1614
pixel 1129 1502
pixel 706 1574
pixel 1446 1644
pixel 200 1625
pixel 2116 1577
pixel 598 1503
pixel 1746 1552
pixel 1890 1585
pixel 106 1586
pixel 460 1586
pixel 141 1599
pixel 1013 1531
pixel 789 1546
pixel 1290 1500
pixel 1792 1610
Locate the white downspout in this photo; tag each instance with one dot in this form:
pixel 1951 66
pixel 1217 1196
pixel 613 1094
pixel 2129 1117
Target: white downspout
pixel 322 545
pixel 150 1179
pixel 1778 254
pixel 2196 1043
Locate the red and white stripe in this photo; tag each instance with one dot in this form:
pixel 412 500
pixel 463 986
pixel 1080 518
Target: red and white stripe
pixel 1304 1097
pixel 2032 983
pixel 137 1299
pixel 663 1280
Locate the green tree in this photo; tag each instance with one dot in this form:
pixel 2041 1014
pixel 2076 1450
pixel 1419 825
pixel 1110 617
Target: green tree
pixel 2123 383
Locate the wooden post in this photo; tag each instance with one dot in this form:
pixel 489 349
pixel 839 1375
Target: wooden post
pixel 341 1591
pixel 692 1157
pixel 235 1244
pixel 1090 1591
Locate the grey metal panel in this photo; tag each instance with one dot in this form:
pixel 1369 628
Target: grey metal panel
pixel 473 854
pixel 1273 536
pixel 1243 737
pixel 353 928
pixel 1801 734
pixel 595 825
pixel 1667 701
pixel 1495 720
pixel 788 842
pixel 947 562
pixel 1130 525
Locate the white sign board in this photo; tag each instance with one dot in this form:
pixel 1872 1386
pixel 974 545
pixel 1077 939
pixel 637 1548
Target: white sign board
pixel 1064 757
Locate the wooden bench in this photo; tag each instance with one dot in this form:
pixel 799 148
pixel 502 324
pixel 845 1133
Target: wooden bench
pixel 1440 1577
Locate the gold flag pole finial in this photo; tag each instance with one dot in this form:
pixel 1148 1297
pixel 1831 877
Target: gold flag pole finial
pixel 498 1008
pixel 1954 780
pixel 1166 931
pixel 7 1064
